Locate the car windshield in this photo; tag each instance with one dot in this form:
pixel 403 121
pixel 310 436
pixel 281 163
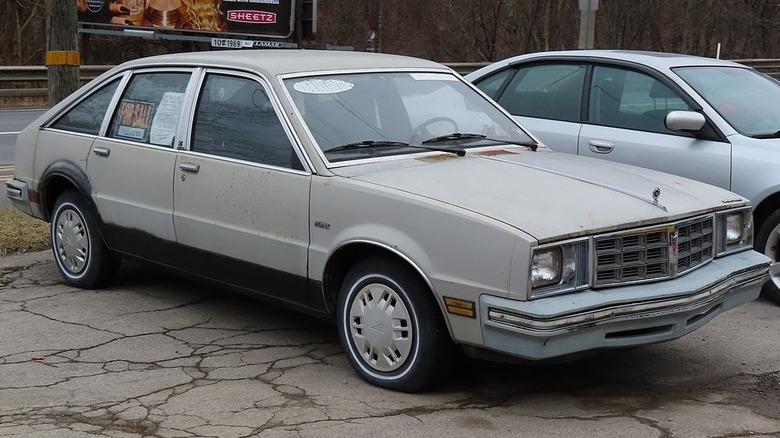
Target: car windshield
pixel 748 100
pixel 368 115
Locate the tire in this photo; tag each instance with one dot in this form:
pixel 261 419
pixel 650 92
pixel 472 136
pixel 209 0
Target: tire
pixel 768 242
pixel 378 293
pixel 79 252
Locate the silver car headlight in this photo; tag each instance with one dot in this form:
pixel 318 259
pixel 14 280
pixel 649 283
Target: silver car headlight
pixel 734 231
pixel 558 268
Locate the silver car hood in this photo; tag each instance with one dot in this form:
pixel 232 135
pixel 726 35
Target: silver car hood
pixel 545 194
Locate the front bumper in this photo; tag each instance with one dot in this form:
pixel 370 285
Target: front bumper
pixel 621 316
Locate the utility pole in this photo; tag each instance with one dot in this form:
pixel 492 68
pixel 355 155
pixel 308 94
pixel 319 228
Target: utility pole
pixel 62 56
pixel 373 38
pixel 588 23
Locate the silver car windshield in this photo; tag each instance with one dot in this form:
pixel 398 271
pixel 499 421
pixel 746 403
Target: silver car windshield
pixel 748 100
pixel 368 115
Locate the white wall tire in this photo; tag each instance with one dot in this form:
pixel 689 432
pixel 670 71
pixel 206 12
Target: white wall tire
pixel 390 326
pixel 79 252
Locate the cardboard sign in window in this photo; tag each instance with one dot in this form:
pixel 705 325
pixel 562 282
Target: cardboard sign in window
pixel 134 119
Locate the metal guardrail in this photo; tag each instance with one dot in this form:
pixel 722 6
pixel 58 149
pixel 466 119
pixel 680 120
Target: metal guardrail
pixel 30 81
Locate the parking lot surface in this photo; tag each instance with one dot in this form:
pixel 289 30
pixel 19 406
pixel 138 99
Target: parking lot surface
pixel 157 355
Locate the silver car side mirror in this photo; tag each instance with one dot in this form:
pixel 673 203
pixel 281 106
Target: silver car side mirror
pixel 686 121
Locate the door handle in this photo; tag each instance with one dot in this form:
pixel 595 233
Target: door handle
pixel 189 167
pixel 601 146
pixel 101 150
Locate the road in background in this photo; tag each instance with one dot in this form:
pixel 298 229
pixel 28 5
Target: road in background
pixel 11 122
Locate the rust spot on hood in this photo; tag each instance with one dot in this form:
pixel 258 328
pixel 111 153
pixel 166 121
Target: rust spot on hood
pixel 436 158
pixel 496 152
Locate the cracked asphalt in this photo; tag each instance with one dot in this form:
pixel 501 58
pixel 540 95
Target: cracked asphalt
pixel 157 355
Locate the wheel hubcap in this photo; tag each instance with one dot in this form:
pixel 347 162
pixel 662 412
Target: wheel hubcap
pixel 72 241
pixel 772 250
pixel 381 327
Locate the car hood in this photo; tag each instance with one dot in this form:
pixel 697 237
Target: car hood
pixel 545 194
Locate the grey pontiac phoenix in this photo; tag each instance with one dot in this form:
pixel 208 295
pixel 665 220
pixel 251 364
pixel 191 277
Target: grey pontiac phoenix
pixel 385 193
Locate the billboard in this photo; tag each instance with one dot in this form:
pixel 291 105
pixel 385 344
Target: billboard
pixel 265 18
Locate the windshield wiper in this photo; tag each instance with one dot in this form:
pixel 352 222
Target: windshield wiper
pixel 765 136
pixel 455 136
pixel 385 143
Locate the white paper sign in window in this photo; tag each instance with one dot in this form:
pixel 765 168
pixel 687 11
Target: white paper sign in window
pixel 166 119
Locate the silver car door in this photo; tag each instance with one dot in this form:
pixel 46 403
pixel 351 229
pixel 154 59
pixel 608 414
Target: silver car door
pixel 241 194
pixel 626 123
pixel 132 166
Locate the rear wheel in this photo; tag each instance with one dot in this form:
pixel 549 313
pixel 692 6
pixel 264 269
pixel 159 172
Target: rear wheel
pixel 768 243
pixel 81 256
pixel 390 326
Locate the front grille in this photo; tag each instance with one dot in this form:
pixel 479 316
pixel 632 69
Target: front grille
pixel 655 254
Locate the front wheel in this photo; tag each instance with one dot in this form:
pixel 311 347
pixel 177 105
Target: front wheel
pixel 768 243
pixel 81 256
pixel 390 326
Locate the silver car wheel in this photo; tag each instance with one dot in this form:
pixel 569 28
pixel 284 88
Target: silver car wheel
pixel 72 241
pixel 381 327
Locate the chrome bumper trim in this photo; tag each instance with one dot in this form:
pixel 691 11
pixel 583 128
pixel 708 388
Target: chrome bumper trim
pixel 707 296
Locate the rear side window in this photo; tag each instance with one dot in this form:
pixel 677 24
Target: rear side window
pixel 492 84
pixel 552 91
pixel 235 119
pixel 88 115
pixel 149 109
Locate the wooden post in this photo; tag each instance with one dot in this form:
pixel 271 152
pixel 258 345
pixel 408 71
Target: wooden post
pixel 62 56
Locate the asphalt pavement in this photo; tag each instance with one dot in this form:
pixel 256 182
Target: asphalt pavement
pixel 157 355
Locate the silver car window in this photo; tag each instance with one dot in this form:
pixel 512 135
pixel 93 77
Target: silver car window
pixel 235 118
pixel 632 100
pixel 149 109
pixel 552 91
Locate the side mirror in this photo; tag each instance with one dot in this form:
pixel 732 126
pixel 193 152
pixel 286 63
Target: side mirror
pixel 686 121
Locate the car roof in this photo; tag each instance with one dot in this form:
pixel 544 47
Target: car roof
pixel 659 60
pixel 274 61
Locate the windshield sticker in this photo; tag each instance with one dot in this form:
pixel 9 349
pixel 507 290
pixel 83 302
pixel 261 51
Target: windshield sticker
pixel 165 119
pixel 323 86
pixel 433 77
pixel 134 118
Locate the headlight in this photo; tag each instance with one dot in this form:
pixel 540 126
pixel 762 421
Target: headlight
pixel 546 267
pixel 735 231
pixel 559 268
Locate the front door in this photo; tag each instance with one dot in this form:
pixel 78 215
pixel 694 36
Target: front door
pixel 241 195
pixel 626 123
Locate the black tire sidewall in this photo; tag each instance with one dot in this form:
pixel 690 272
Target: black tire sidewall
pixel 762 237
pixel 423 360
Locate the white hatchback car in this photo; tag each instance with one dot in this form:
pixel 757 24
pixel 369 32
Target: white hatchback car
pixel 385 193
pixel 706 119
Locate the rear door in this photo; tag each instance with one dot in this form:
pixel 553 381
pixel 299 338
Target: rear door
pixel 546 98
pixel 132 166
pixel 626 123
pixel 241 193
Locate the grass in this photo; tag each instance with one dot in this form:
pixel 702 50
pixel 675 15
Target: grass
pixel 20 233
